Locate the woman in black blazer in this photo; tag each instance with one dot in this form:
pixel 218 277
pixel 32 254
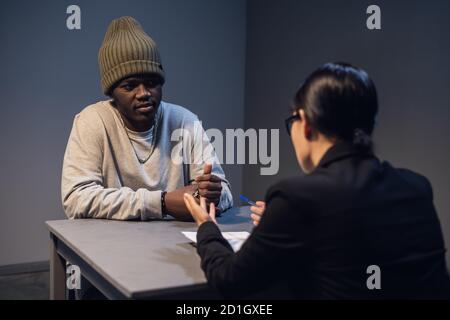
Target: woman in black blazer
pixel 351 228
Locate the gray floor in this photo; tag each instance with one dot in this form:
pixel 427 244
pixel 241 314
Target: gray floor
pixel 25 286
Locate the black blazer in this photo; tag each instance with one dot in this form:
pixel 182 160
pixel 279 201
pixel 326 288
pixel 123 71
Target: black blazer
pixel 320 232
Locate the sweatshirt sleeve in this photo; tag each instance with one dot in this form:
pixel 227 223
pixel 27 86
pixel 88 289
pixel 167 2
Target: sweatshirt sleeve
pixel 82 190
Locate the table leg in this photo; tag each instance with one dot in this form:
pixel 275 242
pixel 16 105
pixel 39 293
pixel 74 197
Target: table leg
pixel 57 273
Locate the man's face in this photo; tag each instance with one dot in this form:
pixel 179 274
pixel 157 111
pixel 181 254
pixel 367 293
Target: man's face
pixel 137 98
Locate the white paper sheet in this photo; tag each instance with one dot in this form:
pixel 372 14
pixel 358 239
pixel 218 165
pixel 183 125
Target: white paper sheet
pixel 236 238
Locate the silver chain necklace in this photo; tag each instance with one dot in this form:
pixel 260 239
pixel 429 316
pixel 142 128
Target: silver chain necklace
pixel 142 161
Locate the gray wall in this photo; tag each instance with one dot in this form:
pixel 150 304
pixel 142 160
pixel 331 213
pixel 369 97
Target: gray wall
pixel 408 60
pixel 50 73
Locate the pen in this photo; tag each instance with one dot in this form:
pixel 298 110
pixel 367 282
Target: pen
pixel 250 202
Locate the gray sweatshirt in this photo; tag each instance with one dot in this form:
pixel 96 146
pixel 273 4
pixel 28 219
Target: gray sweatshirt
pixel 103 178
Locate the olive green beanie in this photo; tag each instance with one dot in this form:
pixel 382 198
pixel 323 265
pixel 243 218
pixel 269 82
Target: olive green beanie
pixel 127 50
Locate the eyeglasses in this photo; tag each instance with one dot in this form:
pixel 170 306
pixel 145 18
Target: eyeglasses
pixel 289 122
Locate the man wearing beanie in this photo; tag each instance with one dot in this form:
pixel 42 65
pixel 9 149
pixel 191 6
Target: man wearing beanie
pixel 119 160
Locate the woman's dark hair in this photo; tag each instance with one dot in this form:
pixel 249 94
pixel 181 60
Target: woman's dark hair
pixel 340 101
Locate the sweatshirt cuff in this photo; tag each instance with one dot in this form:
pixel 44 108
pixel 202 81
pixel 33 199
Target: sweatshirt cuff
pixel 226 199
pixel 151 204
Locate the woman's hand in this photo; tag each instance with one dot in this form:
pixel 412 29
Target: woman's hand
pixel 257 211
pixel 199 212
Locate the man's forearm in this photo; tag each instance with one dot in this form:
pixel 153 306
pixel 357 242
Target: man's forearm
pixel 94 201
